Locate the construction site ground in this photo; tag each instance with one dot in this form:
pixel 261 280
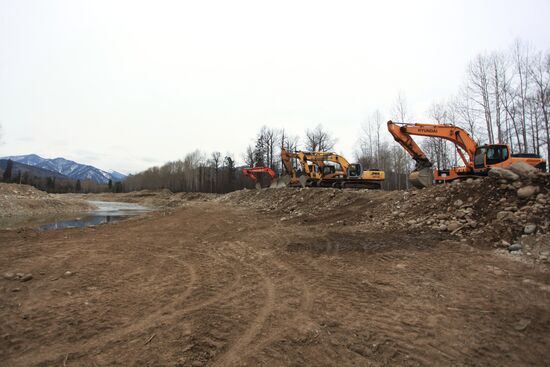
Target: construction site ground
pixel 234 280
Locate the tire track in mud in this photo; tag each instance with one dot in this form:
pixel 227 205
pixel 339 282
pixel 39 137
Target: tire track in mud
pixel 362 298
pixel 253 339
pixel 286 324
pixel 142 323
pixel 239 346
pixel 159 315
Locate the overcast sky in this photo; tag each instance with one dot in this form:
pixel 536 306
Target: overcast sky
pixel 126 85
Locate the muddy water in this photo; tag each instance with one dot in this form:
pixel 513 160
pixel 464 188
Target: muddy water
pixel 105 212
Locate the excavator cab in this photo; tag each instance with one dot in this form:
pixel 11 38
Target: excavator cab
pixel 328 170
pixel 488 155
pixel 355 170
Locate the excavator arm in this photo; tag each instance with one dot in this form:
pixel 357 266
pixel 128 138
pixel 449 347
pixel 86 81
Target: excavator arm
pixel 462 140
pixel 249 172
pixel 286 158
pixel 319 159
pixel 422 175
pixel 407 142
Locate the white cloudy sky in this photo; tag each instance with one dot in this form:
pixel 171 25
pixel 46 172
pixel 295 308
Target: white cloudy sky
pixel 129 84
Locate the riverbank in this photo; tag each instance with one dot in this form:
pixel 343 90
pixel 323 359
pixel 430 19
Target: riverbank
pixel 25 200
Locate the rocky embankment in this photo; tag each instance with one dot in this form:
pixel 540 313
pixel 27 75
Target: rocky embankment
pixel 24 200
pixel 508 210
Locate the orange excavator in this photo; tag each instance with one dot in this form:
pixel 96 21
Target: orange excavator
pixel 251 174
pixel 478 159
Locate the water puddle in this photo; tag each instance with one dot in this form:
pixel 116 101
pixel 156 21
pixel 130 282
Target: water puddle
pixel 106 212
pixel 81 222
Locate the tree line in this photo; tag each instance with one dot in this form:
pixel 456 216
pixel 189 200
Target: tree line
pixel 201 172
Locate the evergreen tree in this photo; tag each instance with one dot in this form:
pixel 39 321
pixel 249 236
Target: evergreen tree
pixel 78 186
pixel 8 172
pixel 50 184
pixel 110 185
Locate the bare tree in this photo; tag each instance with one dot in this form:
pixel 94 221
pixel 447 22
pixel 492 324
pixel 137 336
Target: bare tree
pixel 540 74
pixel 479 90
pixel 248 156
pixel 271 138
pixel 319 140
pixel 497 79
pixel 521 66
pixel 369 143
pixel 215 162
pixel 400 108
pixel 439 150
pixel 465 115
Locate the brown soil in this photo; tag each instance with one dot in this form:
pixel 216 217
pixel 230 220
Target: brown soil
pixel 227 283
pixel 25 200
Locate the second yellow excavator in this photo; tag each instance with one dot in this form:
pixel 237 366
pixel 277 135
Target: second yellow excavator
pixel 327 169
pixel 478 159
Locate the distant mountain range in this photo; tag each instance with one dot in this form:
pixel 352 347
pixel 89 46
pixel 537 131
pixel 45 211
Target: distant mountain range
pixel 30 170
pixel 70 169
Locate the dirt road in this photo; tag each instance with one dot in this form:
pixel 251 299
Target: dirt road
pixel 215 284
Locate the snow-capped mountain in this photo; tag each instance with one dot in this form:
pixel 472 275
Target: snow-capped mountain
pixel 71 169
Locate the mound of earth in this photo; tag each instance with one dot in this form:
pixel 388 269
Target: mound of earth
pixel 509 209
pixel 24 200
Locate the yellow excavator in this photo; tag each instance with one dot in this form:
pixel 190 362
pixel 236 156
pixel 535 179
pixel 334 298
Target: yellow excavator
pixel 478 159
pixel 327 169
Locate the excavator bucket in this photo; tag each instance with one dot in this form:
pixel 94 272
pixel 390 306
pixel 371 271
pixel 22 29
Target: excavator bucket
pixel 303 180
pixel 278 183
pixel 422 178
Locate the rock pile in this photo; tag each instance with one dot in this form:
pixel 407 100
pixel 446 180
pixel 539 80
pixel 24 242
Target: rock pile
pixel 508 209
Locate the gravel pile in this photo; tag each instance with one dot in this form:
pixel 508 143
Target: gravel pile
pixel 509 209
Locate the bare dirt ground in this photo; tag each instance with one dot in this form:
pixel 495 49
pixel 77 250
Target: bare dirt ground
pixel 25 200
pixel 230 282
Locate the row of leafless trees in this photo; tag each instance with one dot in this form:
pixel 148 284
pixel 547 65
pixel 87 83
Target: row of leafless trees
pixel 505 98
pixel 196 172
pixel 199 172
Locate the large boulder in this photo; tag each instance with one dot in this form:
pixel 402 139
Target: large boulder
pixel 503 173
pixel 521 168
pixel 527 191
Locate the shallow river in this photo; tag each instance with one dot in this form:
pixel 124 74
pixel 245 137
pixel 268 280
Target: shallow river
pixel 106 212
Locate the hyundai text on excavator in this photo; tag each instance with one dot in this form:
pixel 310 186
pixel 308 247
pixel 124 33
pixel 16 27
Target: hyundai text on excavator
pixel 319 172
pixel 478 160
